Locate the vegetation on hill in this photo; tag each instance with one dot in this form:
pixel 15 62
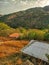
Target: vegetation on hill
pixel 19 27
pixel 24 34
pixel 32 24
pixel 32 18
pixel 36 34
pixel 5 30
pixel 3 26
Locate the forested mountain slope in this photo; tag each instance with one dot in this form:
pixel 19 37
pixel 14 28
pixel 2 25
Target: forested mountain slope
pixel 37 17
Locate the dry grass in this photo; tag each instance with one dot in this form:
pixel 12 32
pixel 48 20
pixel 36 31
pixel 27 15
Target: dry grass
pixel 9 50
pixel 10 47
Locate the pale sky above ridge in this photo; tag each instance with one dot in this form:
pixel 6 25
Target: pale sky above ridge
pixel 10 6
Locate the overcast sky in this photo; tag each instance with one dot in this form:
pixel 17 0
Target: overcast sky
pixel 10 6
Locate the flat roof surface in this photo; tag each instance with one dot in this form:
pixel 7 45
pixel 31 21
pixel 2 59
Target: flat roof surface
pixel 37 49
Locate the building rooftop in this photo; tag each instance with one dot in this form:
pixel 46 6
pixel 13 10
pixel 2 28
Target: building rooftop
pixel 37 49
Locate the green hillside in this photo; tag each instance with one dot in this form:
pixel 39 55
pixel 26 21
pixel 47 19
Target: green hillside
pixel 31 24
pixel 5 30
pixel 32 18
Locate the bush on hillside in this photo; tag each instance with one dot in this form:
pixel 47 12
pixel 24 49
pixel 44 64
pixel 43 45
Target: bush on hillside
pixel 46 37
pixel 34 34
pixel 5 30
pixel 3 26
pixel 31 35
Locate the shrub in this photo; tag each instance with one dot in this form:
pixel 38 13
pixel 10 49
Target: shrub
pixel 31 35
pixel 3 26
pixel 5 30
pixel 35 34
pixel 40 35
pixel 46 37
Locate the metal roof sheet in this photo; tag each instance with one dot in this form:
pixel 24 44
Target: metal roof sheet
pixel 37 49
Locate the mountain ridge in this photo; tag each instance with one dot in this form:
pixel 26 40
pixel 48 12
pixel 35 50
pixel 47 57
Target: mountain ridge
pixel 37 17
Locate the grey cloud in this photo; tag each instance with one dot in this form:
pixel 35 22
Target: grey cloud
pixel 9 6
